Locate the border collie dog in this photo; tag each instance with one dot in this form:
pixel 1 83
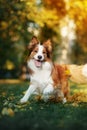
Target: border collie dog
pixel 48 78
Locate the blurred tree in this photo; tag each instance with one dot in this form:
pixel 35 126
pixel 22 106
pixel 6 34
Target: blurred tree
pixel 77 10
pixel 11 29
pixel 20 19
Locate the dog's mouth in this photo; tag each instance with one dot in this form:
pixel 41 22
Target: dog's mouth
pixel 38 63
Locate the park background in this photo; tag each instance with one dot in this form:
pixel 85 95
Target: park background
pixel 62 21
pixel 65 23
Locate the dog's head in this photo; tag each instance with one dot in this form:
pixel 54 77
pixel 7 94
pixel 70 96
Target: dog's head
pixel 39 52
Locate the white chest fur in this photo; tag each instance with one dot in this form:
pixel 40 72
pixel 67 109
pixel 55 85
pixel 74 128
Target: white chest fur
pixel 41 81
pixel 42 75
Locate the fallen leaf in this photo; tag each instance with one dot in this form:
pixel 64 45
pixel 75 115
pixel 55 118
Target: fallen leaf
pixel 75 104
pixel 7 111
pixel 10 112
pixel 30 108
pixel 4 94
pixel 4 111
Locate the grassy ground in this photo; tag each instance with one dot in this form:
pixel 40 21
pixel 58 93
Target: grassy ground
pixel 37 115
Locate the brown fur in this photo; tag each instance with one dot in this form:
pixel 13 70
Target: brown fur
pixel 60 79
pixel 33 43
pixel 48 46
pixel 30 71
pixel 59 76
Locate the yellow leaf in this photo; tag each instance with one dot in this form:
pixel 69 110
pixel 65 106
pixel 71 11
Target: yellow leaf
pixel 7 111
pixel 10 112
pixel 67 72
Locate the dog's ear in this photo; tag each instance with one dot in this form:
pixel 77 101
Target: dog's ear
pixel 33 43
pixel 48 45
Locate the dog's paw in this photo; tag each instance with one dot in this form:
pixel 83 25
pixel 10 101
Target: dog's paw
pixel 64 100
pixel 23 100
pixel 48 90
pixel 45 97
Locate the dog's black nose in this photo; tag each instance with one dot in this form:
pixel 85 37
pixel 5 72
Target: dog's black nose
pixel 39 57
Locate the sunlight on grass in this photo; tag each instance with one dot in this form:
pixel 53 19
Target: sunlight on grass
pixel 10 81
pixel 78 92
pixel 50 115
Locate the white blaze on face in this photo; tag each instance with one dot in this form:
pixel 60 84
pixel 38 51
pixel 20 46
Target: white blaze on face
pixel 39 53
pixel 84 70
pixel 39 57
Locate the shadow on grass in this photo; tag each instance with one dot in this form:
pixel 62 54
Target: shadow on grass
pixel 35 115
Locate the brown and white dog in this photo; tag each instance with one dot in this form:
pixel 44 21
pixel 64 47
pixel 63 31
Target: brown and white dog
pixel 48 78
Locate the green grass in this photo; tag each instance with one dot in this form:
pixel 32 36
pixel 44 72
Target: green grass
pixel 38 115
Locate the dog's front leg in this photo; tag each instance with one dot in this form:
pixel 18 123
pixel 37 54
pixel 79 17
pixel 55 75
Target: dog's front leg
pixel 28 93
pixel 47 92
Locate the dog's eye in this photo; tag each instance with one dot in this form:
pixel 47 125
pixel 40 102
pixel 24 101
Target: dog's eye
pixel 44 52
pixel 35 51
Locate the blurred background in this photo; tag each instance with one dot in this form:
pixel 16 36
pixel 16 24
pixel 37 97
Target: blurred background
pixel 63 21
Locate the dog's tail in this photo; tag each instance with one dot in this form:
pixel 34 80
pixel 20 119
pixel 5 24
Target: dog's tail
pixel 78 73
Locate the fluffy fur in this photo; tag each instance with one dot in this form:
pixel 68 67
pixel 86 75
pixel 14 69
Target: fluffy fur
pixel 47 78
pixel 78 73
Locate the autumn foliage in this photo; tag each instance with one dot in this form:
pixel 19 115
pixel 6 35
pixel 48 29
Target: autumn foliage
pixel 20 19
